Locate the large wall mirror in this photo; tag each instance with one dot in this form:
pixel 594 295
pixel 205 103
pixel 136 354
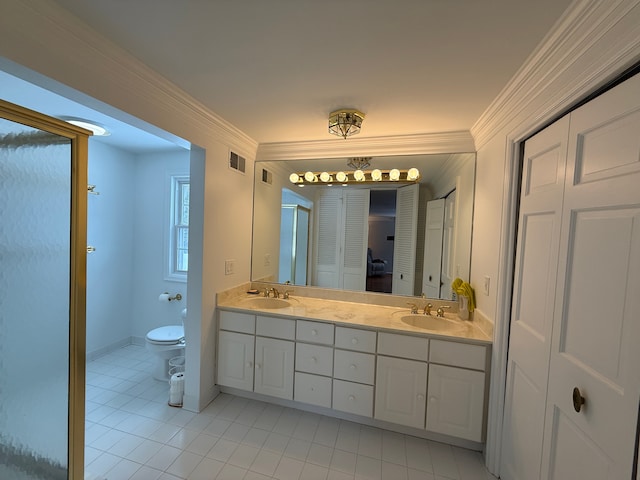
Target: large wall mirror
pixel 387 237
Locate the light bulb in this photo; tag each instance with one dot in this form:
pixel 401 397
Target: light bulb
pixel 325 177
pixel 294 178
pixel 394 175
pixel 376 175
pixel 310 177
pixel 358 175
pixel 341 177
pixel 413 174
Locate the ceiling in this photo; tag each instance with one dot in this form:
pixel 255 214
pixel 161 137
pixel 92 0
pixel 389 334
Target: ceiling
pixel 275 69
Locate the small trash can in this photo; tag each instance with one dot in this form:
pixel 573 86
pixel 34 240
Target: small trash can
pixel 176 381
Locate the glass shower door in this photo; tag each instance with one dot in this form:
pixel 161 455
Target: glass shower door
pixel 39 304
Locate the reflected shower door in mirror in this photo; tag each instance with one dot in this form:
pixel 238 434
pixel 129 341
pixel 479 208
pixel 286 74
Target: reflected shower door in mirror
pixel 381 237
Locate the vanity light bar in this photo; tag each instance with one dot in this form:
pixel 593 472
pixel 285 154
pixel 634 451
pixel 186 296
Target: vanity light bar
pixel 394 175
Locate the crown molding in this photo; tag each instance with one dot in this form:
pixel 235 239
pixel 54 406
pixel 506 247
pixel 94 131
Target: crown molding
pixel 428 143
pixel 107 70
pixel 592 43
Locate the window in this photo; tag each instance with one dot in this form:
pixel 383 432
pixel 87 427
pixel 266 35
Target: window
pixel 179 235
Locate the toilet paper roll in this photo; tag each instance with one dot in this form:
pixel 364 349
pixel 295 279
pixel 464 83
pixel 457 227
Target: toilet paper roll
pixel 164 297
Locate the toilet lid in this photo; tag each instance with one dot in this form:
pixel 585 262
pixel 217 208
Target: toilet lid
pixel 169 334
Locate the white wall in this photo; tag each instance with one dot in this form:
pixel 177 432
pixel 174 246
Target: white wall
pixel 151 207
pixel 110 221
pixel 94 71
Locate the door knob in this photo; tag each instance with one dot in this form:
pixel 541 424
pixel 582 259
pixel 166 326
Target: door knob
pixel 578 399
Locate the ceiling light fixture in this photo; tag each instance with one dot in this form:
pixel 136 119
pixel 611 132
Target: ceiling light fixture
pixel 359 163
pixel 97 129
pixel 345 123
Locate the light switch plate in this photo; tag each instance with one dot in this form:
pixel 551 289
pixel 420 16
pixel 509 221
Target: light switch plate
pixel 485 285
pixel 229 267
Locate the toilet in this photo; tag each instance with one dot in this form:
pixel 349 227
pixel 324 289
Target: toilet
pixel 165 343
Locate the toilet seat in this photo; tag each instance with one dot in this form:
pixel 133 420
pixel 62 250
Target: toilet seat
pixel 170 335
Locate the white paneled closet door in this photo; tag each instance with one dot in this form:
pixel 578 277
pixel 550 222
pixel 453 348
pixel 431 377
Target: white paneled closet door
pixel 573 382
pixel 595 354
pixel 533 301
pixel 326 268
pixel 432 269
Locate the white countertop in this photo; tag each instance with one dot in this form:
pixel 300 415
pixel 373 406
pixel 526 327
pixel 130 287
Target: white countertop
pixel 352 314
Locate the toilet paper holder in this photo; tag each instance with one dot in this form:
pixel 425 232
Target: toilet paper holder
pixel 165 297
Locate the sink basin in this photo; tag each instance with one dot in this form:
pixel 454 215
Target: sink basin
pixel 267 303
pixel 435 324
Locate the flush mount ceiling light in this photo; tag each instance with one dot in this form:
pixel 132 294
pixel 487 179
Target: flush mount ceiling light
pixel 345 123
pixel 97 129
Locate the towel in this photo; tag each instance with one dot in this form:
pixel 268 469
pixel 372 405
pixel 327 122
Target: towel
pixel 463 288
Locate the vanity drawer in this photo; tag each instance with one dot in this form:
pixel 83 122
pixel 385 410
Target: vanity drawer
pixel 354 366
pixel 314 359
pixel 314 332
pixel 238 322
pixel 355 339
pixel 312 389
pixel 458 354
pixel 275 327
pixel 353 398
pixel 404 346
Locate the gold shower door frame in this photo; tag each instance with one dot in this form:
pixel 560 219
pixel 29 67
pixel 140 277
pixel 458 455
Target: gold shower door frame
pixel 78 276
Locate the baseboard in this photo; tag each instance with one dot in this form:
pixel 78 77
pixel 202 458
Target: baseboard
pixel 91 356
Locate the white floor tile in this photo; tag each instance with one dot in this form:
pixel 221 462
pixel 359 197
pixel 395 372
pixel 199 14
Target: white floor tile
pixel 131 433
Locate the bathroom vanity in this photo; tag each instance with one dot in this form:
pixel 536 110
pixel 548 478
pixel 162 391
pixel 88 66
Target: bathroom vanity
pixel 374 364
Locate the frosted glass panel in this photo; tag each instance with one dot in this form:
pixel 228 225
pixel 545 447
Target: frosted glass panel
pixel 35 196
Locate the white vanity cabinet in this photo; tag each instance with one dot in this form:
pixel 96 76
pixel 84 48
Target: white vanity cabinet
pixel 401 379
pixel 259 359
pixel 354 371
pixel 433 385
pixel 456 389
pixel 236 349
pixel 314 363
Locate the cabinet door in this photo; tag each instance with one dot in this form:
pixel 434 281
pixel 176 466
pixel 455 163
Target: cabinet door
pixel 235 360
pixel 456 402
pixel 401 387
pixel 274 367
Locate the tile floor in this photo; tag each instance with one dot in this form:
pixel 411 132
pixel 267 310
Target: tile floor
pixel 131 433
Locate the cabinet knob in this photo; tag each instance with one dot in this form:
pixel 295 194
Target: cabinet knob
pixel 314 332
pixel 352 366
pixel 420 396
pixel 312 389
pixel 314 359
pixel 258 366
pixel 352 398
pixel 354 341
pixel 433 399
pixel 249 365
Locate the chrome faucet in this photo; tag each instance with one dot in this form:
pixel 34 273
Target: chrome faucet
pixel 440 310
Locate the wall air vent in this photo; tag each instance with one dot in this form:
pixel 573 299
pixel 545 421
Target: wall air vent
pixel 267 177
pixel 236 162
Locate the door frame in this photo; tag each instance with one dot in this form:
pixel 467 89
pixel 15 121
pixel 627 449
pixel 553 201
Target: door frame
pixel 78 266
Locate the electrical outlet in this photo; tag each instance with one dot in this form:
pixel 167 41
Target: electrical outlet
pixel 229 267
pixel 486 284
pixel 267 259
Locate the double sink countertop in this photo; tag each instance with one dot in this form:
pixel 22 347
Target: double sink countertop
pixel 352 314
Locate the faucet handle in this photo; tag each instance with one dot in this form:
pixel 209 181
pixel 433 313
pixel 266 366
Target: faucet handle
pixel 440 311
pixel 286 293
pixel 265 292
pixel 414 307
